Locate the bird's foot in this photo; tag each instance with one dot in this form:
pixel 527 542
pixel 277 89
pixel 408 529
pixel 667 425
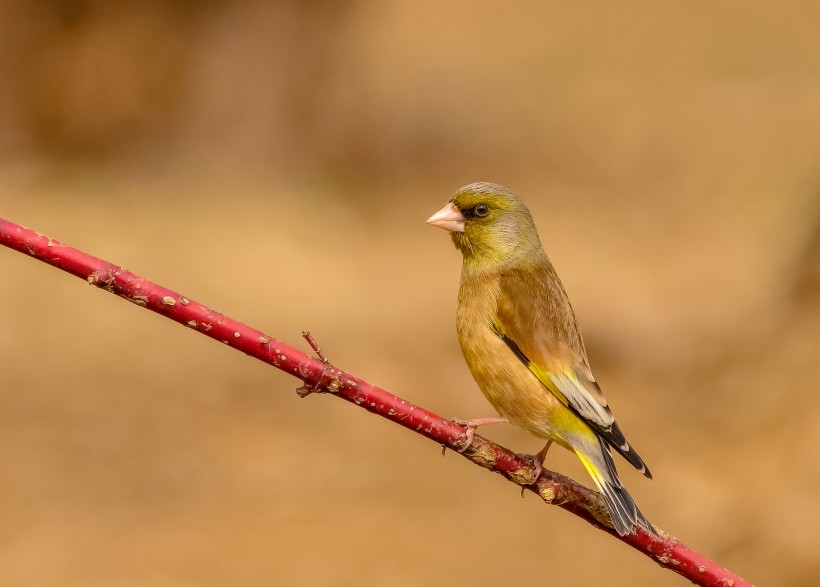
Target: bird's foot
pixel 471 425
pixel 537 461
pixel 536 465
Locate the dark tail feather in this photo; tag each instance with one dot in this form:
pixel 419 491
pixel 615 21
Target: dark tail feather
pixel 615 438
pixel 626 516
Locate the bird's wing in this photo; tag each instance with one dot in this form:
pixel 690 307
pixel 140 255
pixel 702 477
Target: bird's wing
pixel 540 328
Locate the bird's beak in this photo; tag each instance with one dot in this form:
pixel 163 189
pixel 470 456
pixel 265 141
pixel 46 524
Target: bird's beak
pixel 449 218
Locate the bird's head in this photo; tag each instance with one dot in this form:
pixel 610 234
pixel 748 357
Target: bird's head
pixel 488 224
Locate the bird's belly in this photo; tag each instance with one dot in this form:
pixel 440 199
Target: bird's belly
pixel 508 384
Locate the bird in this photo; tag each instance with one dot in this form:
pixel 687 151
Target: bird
pixel 521 341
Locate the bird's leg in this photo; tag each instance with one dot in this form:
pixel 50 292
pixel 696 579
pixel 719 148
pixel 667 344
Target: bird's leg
pixel 471 425
pixel 542 454
pixel 538 459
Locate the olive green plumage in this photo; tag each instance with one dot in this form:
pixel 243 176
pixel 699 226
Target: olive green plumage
pixel 521 341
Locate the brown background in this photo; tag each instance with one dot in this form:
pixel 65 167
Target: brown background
pixel 278 160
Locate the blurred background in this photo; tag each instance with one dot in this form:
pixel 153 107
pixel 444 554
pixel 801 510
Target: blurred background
pixel 277 160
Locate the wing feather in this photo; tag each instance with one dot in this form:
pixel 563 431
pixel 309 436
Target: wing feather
pixel 543 334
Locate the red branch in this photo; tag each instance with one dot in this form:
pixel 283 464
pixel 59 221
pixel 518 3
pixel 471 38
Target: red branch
pixel 319 375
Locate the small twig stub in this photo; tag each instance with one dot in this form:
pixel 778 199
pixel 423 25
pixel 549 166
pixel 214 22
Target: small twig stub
pixel 334 385
pixel 315 346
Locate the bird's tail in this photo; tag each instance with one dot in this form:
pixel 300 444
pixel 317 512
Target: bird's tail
pixel 626 516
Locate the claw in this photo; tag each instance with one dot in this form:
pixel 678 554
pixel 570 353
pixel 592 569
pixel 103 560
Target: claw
pixel 469 436
pixel 471 425
pixel 539 468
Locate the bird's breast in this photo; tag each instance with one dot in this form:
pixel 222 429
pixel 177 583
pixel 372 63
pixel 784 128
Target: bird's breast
pixel 512 389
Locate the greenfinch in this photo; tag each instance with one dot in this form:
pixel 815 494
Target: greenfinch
pixel 522 344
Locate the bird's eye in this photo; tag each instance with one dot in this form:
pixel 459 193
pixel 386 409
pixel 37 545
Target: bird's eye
pixel 482 210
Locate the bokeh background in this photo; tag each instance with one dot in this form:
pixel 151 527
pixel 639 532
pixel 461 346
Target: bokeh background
pixel 277 160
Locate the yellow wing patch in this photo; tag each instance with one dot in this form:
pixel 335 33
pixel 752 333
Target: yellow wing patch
pixel 580 394
pixel 544 375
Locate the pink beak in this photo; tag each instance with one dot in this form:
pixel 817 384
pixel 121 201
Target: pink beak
pixel 449 218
